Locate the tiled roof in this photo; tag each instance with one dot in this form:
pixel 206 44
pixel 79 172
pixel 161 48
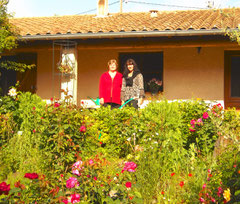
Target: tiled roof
pixel 130 22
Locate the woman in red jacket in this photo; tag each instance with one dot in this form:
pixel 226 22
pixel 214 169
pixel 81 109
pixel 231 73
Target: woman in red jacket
pixel 110 86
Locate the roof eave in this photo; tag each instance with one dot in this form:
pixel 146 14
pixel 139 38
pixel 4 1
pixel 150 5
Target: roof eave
pixel 124 34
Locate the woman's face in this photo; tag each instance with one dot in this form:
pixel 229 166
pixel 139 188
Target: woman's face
pixel 112 67
pixel 130 67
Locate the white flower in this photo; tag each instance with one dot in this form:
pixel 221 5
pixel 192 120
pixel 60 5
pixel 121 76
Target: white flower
pixel 115 178
pixel 112 193
pixel 149 138
pixel 128 139
pixel 157 133
pixel 12 92
pixel 20 132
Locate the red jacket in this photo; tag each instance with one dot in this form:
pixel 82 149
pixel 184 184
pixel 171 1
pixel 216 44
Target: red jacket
pixel 110 90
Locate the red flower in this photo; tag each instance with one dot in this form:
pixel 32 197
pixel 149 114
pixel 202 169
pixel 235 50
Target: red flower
pixel 61 175
pixel 31 175
pixel 117 174
pixel 95 178
pixel 234 165
pixel 131 197
pixel 4 188
pixel 19 185
pixel 34 130
pixel 172 174
pixel 82 128
pixel 162 192
pixel 56 105
pixel 181 183
pixel 209 175
pixel 34 108
pixel 100 142
pixel 51 99
pixel 190 175
pixel 128 184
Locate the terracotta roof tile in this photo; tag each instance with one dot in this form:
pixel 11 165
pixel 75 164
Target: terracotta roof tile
pixel 130 22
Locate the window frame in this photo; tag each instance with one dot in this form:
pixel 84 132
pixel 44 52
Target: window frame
pixel 229 101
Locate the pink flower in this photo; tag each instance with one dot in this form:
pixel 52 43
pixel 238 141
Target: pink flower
pixel 88 176
pixel 209 171
pixel 65 201
pixel 193 122
pixel 95 178
pixel 34 130
pixel 199 121
pixel 202 200
pixel 34 108
pixel 72 182
pixel 129 166
pixel 82 128
pixel 75 198
pixel 56 105
pixel 90 162
pixel 220 191
pixel 204 186
pixel 213 200
pixel 128 184
pixel 77 167
pixel 205 115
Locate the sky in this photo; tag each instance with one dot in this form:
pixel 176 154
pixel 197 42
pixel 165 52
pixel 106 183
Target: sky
pixel 38 8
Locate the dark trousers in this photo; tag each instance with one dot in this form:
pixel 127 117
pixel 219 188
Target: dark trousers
pixel 113 105
pixel 133 103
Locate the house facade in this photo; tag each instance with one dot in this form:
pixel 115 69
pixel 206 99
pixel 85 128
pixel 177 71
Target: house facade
pixel 187 50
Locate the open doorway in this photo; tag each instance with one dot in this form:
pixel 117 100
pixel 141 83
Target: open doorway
pixel 149 63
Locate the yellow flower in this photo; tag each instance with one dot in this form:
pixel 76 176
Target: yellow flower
pixel 12 92
pixel 227 194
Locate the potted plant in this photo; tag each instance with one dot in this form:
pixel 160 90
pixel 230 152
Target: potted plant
pixel 154 86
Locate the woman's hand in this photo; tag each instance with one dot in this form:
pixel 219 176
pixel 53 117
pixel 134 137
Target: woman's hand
pixel 140 101
pixel 101 101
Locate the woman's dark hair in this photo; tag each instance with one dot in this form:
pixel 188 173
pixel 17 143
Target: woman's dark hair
pixel 130 62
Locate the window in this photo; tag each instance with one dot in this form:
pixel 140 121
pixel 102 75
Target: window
pixel 149 63
pixel 232 79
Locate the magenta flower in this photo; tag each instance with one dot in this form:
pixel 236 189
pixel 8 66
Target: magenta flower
pixel 77 167
pixel 204 186
pixel 75 198
pixel 82 128
pixel 56 105
pixel 90 162
pixel 199 121
pixel 193 122
pixel 213 200
pixel 205 115
pixel 72 182
pixel 129 166
pixel 220 191
pixel 202 200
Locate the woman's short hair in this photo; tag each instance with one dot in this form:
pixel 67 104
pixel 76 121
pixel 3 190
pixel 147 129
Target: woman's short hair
pixel 112 61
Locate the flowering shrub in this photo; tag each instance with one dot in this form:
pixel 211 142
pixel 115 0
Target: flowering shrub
pixel 163 153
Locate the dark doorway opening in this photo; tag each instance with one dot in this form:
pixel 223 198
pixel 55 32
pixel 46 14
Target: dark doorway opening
pixel 27 79
pixel 149 63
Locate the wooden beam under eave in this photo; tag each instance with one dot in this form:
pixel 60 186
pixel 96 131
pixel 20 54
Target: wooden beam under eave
pixel 230 45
